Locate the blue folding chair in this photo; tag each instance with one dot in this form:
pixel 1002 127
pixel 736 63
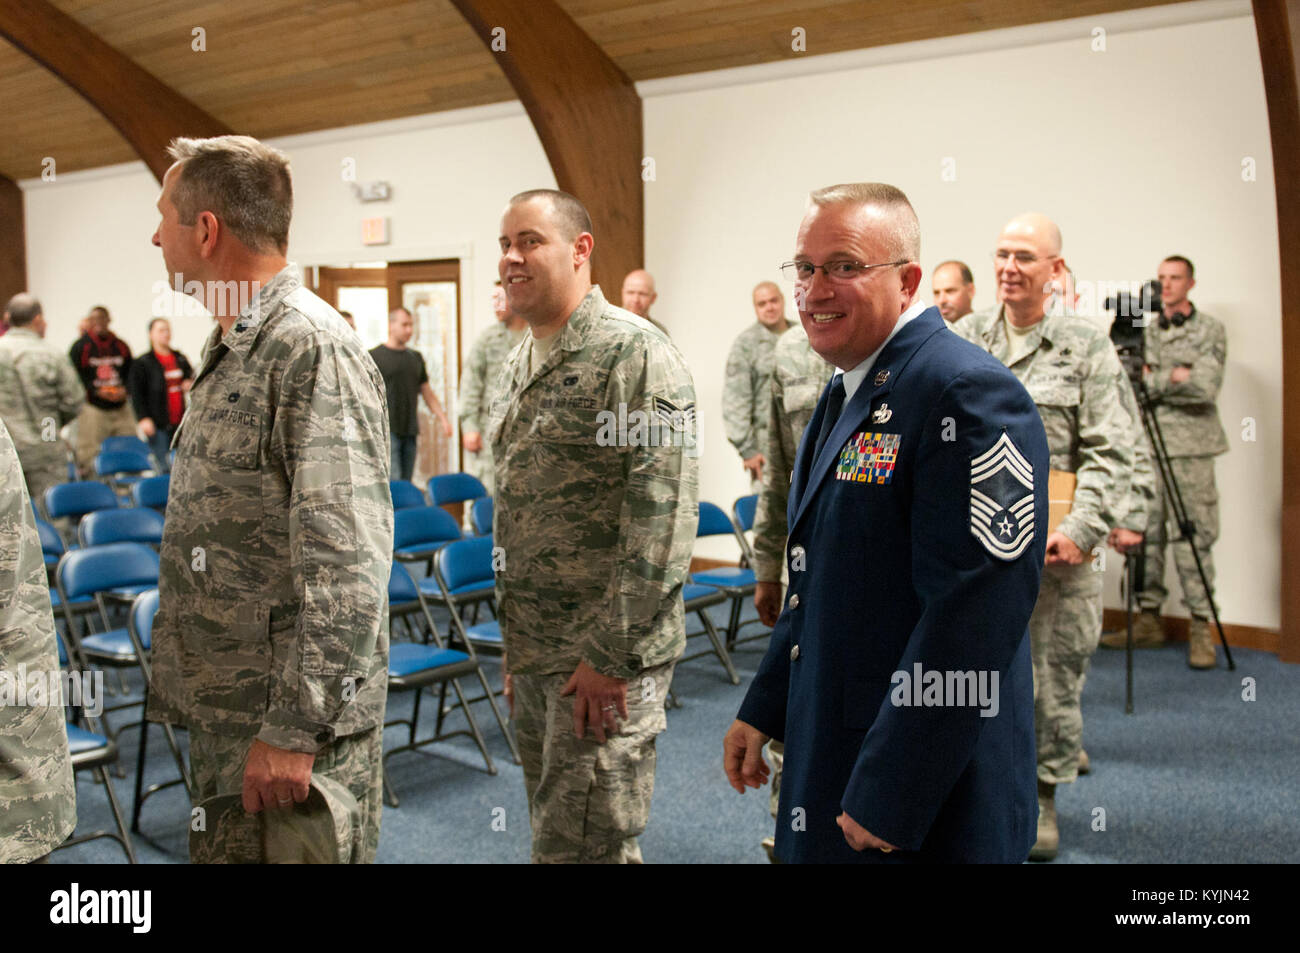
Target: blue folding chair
pixel 417 665
pixel 122 464
pixel 465 576
pixel 129 444
pixel 122 469
pixel 698 599
pixel 51 543
pixel 467 581
pixel 96 572
pixel 139 628
pixel 52 549
pixel 133 525
pixel 74 500
pixel 455 488
pixel 743 512
pixel 735 582
pixel 480 515
pixel 406 495
pixel 94 752
pixel 421 531
pixel 152 492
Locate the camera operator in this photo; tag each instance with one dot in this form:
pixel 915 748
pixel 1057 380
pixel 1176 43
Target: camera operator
pixel 1185 353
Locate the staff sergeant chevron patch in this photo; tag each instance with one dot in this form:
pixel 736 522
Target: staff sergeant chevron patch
pixel 1002 499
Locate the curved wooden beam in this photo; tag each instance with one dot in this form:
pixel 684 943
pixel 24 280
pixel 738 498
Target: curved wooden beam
pixel 13 241
pixel 147 112
pixel 1277 25
pixel 587 114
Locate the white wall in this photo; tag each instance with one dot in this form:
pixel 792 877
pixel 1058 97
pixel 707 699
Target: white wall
pixel 88 234
pixel 1135 151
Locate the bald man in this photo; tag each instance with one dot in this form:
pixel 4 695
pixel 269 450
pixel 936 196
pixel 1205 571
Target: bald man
pixel 1073 374
pixel 954 289
pixel 748 383
pixel 639 293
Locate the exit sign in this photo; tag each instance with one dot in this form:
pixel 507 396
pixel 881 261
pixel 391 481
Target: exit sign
pixel 374 231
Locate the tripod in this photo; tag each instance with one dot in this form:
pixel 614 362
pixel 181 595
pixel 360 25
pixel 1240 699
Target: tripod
pixel 1186 528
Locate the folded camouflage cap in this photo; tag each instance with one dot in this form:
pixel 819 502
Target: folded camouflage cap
pixel 324 829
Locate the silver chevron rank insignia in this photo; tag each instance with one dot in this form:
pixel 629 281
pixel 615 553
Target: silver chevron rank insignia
pixel 1002 499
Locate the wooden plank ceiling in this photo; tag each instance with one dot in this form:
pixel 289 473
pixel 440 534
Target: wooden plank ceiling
pixel 277 67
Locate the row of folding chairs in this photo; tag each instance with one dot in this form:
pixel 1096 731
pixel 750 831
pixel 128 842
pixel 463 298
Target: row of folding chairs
pixel 444 489
pixel 88 580
pixel 733 584
pixel 421 531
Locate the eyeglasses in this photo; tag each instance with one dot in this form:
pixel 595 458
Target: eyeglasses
pixel 1023 258
pixel 842 270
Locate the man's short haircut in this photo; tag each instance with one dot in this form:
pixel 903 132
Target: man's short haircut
pixel 906 231
pixel 155 321
pixel 767 284
pixel 99 309
pixel 569 212
pixel 1191 271
pixel 400 309
pixel 244 183
pixel 22 309
pixel 967 277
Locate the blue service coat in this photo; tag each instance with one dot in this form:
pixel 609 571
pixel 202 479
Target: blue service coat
pixel 932 562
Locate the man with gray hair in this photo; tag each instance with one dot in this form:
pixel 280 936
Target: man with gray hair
pixel 39 393
pixel 898 675
pixel 271 640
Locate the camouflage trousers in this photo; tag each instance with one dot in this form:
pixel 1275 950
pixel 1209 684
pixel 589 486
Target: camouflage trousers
pixel 217 768
pixel 1063 633
pixel 588 802
pixel 1195 478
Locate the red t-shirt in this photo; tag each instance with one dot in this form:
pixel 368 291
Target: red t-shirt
pixel 175 395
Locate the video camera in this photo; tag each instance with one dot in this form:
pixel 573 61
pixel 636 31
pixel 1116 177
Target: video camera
pixel 1127 330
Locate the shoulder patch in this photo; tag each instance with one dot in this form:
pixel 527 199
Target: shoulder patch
pixel 674 416
pixel 1002 499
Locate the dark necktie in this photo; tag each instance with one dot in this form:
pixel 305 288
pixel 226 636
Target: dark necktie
pixel 834 404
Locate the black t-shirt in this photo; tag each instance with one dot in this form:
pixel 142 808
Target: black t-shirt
pixel 404 373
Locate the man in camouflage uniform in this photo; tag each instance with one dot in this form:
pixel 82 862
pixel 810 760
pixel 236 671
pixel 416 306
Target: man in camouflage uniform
pixel 593 434
pixel 478 384
pixel 38 798
pixel 749 373
pixel 39 393
pixel 799 375
pixel 1074 376
pixel 271 640
pixel 1185 354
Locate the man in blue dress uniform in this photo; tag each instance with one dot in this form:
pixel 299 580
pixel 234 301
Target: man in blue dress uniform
pixel 899 674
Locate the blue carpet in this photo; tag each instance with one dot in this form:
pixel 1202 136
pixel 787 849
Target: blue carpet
pixel 1196 775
